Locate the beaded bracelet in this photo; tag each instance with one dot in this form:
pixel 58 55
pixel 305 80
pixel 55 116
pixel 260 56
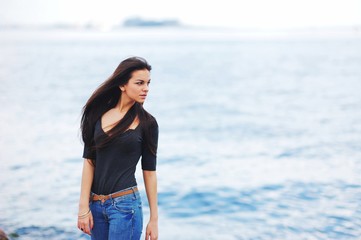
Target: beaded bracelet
pixel 84 214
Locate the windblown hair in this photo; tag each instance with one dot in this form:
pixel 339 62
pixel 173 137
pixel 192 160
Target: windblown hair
pixel 106 96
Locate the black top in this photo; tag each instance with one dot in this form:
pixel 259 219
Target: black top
pixel 115 164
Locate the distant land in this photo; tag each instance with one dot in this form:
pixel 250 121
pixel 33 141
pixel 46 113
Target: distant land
pixel 139 22
pixel 129 22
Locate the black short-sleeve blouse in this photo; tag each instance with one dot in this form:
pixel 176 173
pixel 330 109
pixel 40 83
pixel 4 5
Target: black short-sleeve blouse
pixel 116 162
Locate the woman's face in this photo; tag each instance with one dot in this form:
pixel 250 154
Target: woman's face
pixel 137 87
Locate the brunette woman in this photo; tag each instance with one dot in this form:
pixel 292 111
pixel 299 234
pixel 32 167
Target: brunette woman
pixel 117 131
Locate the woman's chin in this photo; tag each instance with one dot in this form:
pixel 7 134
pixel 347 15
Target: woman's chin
pixel 140 101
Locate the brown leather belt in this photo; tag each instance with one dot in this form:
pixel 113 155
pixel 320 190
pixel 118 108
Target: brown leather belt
pixel 103 198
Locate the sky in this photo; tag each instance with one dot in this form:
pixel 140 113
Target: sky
pixel 226 13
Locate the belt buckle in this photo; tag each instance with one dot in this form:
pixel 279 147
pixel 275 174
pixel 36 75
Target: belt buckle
pixel 102 198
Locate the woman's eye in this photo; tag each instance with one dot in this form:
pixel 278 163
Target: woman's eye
pixel 139 83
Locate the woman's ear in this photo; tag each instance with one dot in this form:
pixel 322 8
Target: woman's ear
pixel 121 88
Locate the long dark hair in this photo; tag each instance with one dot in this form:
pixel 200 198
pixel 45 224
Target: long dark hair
pixel 106 96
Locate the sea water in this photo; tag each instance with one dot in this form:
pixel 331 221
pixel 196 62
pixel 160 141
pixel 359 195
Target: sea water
pixel 260 136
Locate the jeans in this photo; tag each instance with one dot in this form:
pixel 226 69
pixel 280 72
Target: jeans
pixel 118 218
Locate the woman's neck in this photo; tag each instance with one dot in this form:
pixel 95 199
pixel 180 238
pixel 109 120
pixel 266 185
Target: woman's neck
pixel 124 104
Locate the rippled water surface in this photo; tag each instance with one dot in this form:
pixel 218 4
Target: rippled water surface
pixel 259 138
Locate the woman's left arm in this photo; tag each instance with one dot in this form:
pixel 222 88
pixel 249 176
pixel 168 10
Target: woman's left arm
pixel 150 181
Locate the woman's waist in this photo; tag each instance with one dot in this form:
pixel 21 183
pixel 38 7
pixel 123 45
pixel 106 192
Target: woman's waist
pixel 106 184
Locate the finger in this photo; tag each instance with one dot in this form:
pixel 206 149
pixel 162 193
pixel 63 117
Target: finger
pixel 154 237
pixel 91 222
pixel 80 224
pixel 82 227
pixel 87 230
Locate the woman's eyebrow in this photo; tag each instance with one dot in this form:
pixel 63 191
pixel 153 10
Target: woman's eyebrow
pixel 143 80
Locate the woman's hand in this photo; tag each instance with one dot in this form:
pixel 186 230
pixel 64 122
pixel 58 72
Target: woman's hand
pixel 85 217
pixel 152 230
pixel 150 181
pixel 86 223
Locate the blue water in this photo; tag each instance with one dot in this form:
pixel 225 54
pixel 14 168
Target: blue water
pixel 260 138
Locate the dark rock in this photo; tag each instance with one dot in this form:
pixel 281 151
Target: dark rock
pixel 3 235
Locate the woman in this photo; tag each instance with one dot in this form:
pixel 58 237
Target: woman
pixel 117 131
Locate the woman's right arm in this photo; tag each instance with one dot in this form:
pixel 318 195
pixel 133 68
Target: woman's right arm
pixel 86 223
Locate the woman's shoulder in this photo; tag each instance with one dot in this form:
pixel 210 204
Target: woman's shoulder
pixel 150 118
pixel 149 121
pixel 152 122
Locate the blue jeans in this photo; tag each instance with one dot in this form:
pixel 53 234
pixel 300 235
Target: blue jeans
pixel 118 218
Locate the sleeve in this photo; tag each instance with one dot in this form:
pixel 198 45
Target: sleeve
pixel 88 152
pixel 149 159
